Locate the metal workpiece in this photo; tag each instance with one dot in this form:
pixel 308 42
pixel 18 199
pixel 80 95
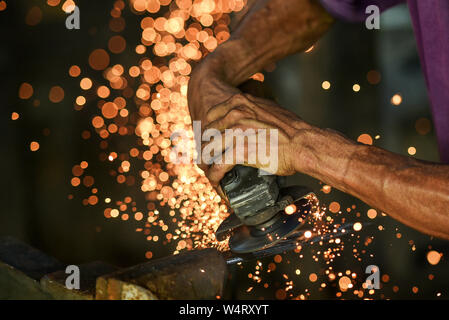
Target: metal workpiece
pixel 192 275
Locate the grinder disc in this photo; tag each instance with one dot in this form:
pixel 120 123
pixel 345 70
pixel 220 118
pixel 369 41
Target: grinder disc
pixel 252 238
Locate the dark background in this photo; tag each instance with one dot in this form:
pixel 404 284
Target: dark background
pixel 35 186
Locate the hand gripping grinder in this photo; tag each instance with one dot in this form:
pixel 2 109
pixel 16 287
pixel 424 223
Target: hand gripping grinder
pixel 263 212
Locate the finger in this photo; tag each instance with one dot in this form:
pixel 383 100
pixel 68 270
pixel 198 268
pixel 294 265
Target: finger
pixel 221 145
pixel 215 153
pixel 240 124
pixel 220 110
pixel 271 107
pixel 203 166
pixel 234 153
pixel 222 155
pixel 242 143
pixel 233 119
pixel 216 172
pixel 221 192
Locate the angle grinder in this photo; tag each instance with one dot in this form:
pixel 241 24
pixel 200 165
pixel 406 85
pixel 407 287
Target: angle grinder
pixel 264 212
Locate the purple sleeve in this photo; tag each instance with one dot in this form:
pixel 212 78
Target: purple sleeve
pixel 354 10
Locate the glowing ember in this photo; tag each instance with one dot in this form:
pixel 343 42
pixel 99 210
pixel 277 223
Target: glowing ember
pixel 357 226
pixel 396 99
pixel 345 283
pixel 371 213
pixel 291 209
pixel 56 94
pixel 34 146
pixel 334 207
pixel 365 139
pixel 411 151
pixel 25 91
pixel 433 257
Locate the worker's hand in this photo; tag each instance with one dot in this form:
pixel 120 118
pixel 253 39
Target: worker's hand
pixel 243 111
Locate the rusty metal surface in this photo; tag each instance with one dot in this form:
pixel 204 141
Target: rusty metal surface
pixel 21 267
pixel 27 273
pixel 198 274
pixel 16 285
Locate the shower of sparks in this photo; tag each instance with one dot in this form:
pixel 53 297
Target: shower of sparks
pixel 149 100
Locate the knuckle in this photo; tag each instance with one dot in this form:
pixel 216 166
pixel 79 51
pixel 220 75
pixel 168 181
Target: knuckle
pixel 203 167
pixel 239 113
pixel 238 97
pixel 210 115
pixel 218 167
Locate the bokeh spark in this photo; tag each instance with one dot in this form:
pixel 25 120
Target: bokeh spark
pixel 148 99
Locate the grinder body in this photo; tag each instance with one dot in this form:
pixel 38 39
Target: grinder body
pixel 258 201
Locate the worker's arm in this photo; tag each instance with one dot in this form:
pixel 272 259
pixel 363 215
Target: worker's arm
pixel 412 191
pixel 272 29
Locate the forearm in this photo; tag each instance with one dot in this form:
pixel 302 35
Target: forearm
pixel 271 30
pixel 414 192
